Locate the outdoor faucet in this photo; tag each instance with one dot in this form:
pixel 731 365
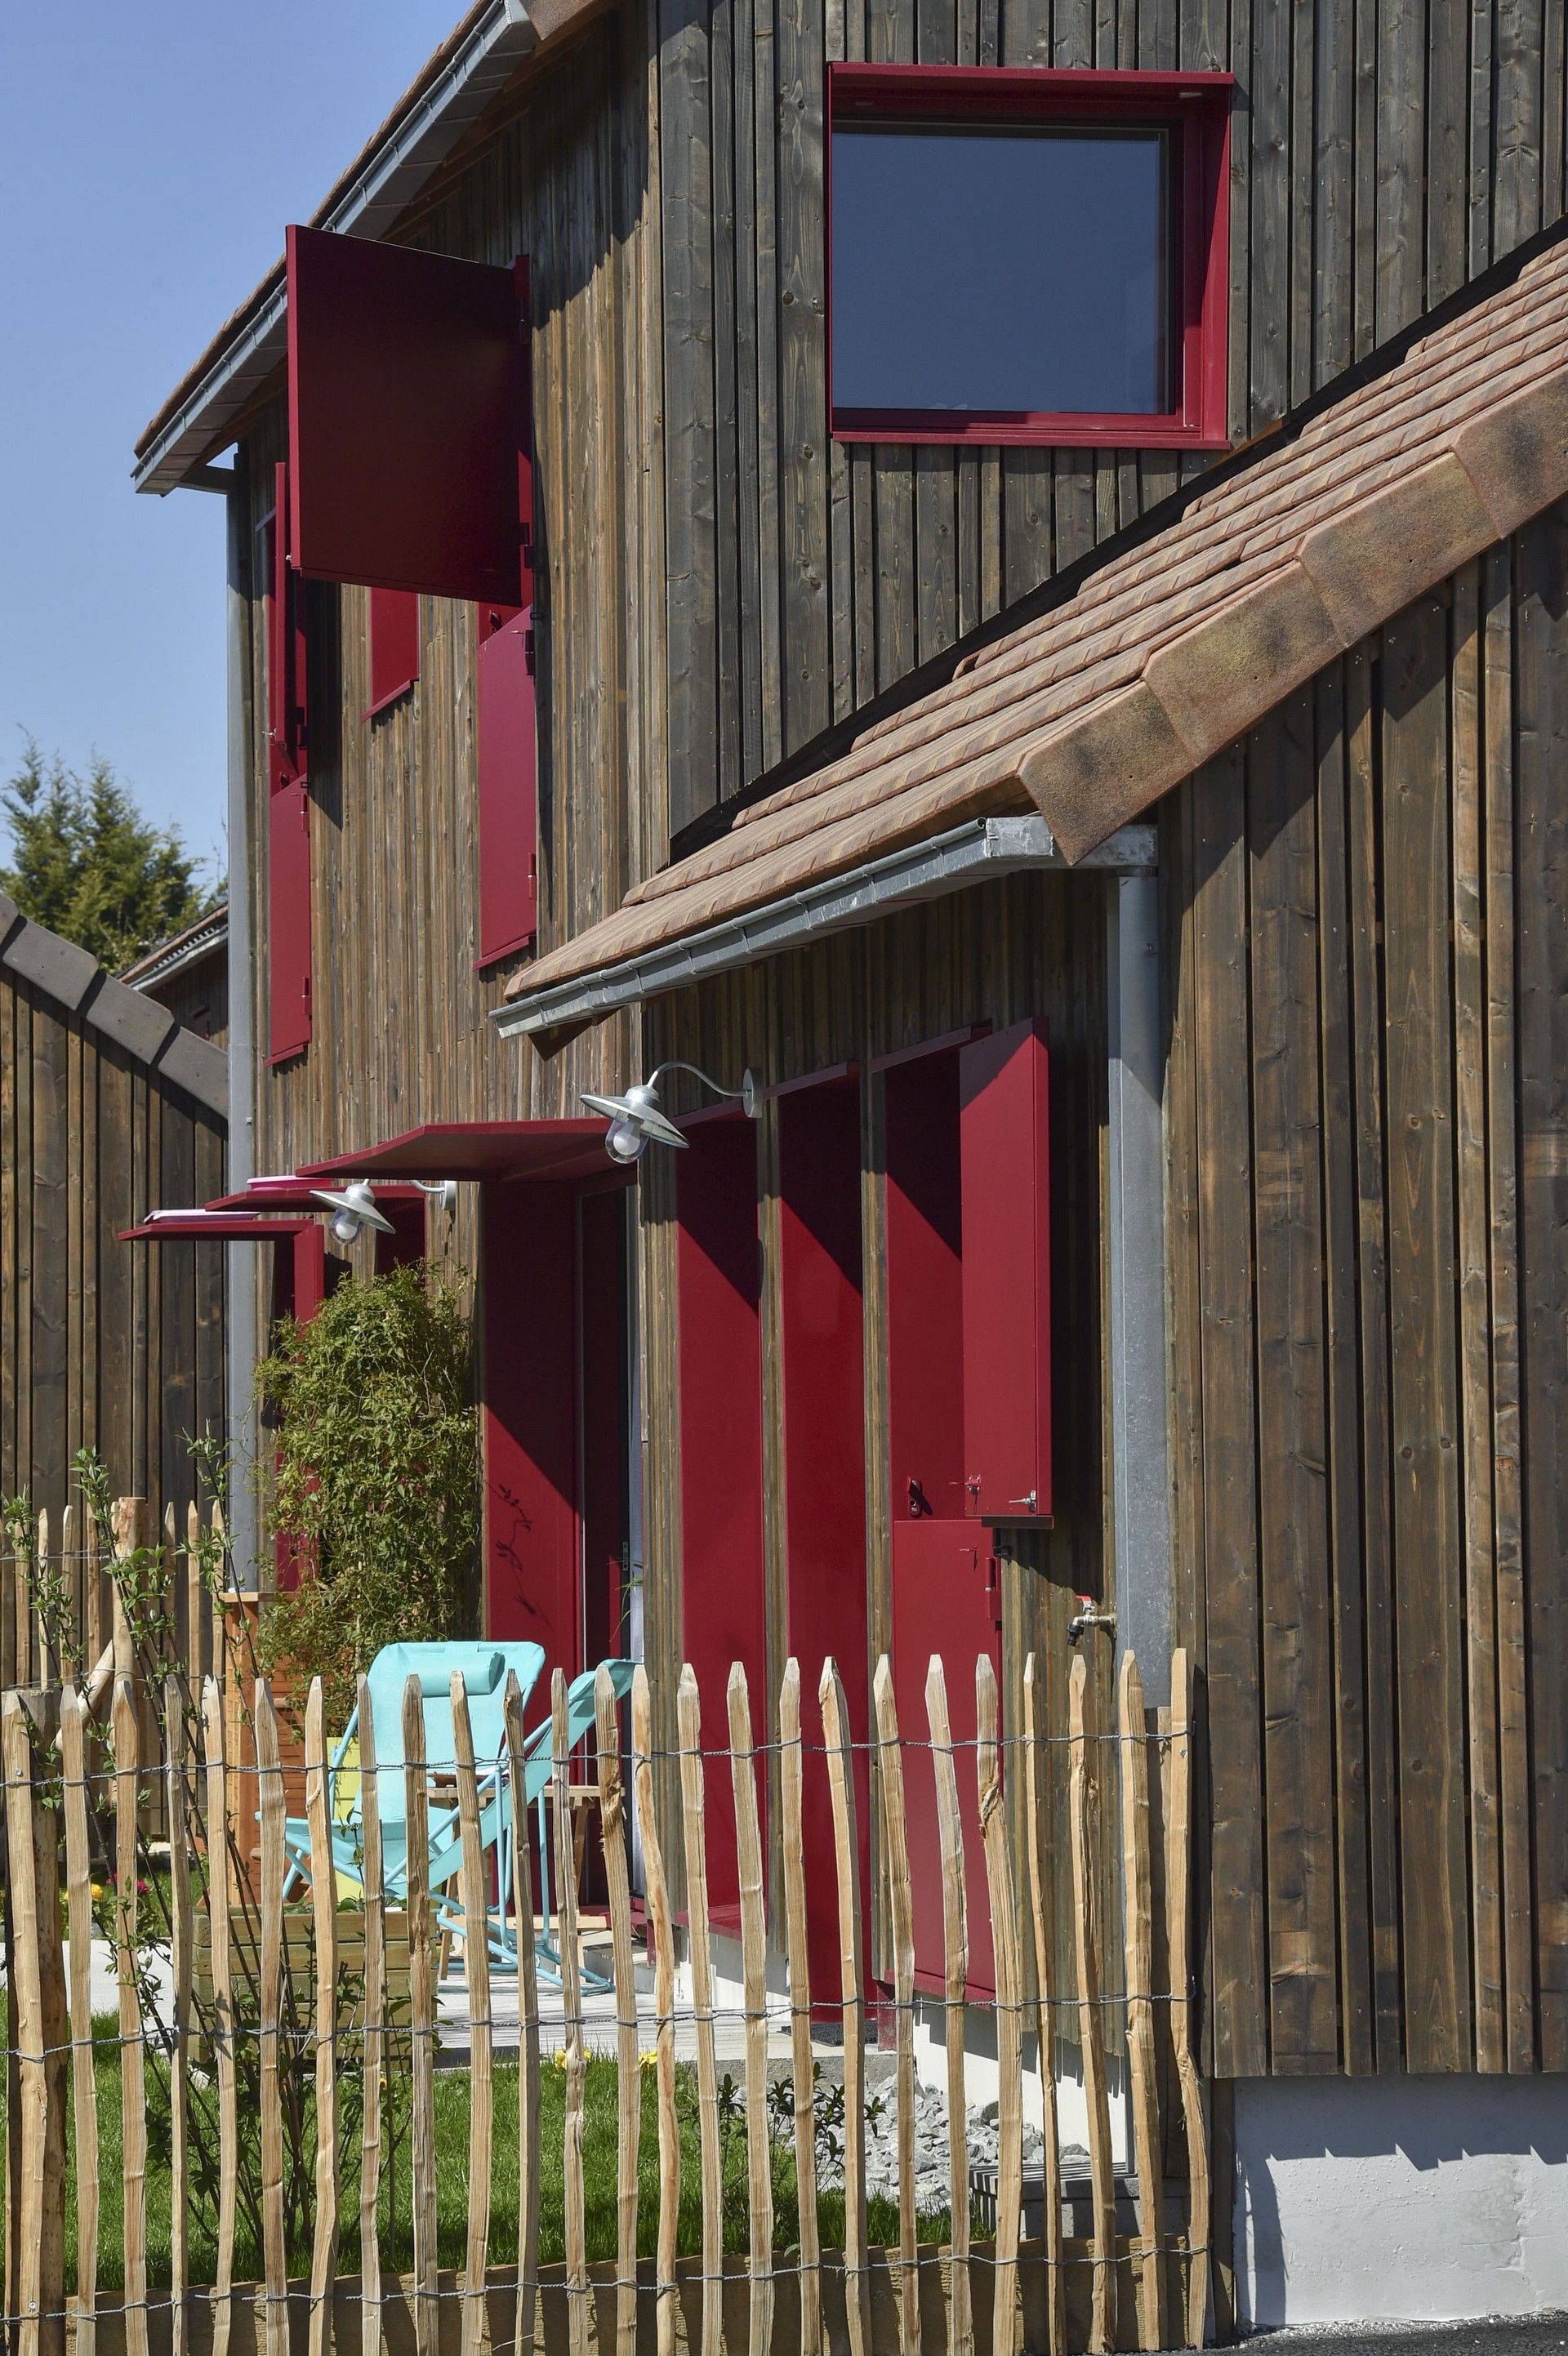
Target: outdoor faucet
pixel 1089 1616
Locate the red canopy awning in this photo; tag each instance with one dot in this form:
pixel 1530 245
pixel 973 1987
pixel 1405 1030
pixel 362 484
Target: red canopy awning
pixel 292 1191
pixel 476 1149
pixel 212 1226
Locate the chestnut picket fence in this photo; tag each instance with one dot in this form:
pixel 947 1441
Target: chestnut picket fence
pixel 258 2007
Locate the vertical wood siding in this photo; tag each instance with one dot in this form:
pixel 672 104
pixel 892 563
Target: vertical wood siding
pixel 1368 1136
pixel 1384 151
pixel 108 1345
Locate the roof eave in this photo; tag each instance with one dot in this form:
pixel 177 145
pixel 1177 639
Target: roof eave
pixel 977 851
pixel 202 416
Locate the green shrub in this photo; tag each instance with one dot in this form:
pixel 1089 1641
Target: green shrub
pixel 377 1486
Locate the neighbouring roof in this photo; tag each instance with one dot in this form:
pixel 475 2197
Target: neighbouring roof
pixel 137 1024
pixel 208 935
pixel 440 107
pixel 1172 647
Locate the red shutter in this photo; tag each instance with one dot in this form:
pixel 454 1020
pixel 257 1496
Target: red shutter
pixel 407 418
pixel 288 794
pixel 287 734
pixel 946 1598
pixel 1005 1134
pixel 394 645
pixel 288 920
pixel 718 1280
pixel 509 798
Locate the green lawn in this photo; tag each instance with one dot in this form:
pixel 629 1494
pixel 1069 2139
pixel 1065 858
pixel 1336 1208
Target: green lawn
pixel 452 2114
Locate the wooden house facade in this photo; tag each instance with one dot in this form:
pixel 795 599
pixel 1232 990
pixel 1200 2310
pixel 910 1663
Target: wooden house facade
pixel 1120 842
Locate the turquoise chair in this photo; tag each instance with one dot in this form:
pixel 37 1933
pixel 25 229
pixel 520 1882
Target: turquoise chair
pixel 484 1669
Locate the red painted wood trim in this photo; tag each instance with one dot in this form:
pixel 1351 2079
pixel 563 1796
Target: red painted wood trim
pixel 1196 106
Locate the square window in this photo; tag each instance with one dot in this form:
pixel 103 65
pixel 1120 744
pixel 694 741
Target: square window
pixel 1027 256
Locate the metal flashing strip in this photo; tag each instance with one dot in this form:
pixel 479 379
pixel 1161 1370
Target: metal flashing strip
pixel 160 964
pixel 972 853
pixel 391 179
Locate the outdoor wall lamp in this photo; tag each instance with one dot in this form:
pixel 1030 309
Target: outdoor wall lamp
pixel 354 1207
pixel 637 1116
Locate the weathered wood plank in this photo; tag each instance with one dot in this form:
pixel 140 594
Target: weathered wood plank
pixel 1223 1052
pixel 74 1725
pixel 219 1874
pixel 901 1941
pixel 955 1963
pixel 182 1942
pixel 1179 1850
pixel 1292 1440
pixel 1044 1994
pixel 1342 1367
pixel 133 2056
pixel 1419 1030
pixel 700 1950
pixel 1138 1919
pixel 1006 2317
pixel 656 1885
pixel 1474 1336
pixel 475 1901
pixel 1092 2046
pixel 1541 725
pixel 628 2123
pixel 791 1777
pixel 27 2187
pixel 373 2045
pixel 1502 1188
pixel 270 1806
pixel 754 1968
pixel 422 1997
pixel 851 1986
pixel 528 2156
pixel 1377 1512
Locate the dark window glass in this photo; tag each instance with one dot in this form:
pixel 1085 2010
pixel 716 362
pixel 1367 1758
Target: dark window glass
pixel 1011 268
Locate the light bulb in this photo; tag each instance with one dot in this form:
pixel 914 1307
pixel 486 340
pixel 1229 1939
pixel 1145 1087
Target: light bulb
pixel 624 1143
pixel 344 1227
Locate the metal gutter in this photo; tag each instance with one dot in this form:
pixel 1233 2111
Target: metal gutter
pixel 389 180
pixel 200 940
pixel 972 853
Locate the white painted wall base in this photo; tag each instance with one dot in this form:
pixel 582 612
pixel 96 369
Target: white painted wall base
pixel 1415 2199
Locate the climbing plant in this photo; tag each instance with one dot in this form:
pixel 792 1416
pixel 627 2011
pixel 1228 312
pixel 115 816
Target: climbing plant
pixel 376 1493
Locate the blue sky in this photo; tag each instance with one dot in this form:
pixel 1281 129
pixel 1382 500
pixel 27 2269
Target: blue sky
pixel 149 160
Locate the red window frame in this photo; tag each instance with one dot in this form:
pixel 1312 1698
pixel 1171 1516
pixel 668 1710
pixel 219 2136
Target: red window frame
pixel 1196 108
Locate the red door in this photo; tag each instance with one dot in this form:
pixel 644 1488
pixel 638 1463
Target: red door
pixel 946 1600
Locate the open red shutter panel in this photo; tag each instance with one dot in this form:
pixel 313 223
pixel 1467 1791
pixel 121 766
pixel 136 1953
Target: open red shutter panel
pixel 408 419
pixel 394 645
pixel 1004 1142
pixel 508 799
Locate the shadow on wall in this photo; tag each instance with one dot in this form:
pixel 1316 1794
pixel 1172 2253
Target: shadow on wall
pixel 1419 2200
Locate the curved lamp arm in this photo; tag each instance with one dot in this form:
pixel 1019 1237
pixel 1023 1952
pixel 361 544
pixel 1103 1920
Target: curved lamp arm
pixel 747 1094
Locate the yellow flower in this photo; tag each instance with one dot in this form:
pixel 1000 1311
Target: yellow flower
pixel 561 2057
pixel 646 2061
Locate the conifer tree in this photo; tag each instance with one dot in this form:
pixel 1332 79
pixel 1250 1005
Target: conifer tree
pixel 87 861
